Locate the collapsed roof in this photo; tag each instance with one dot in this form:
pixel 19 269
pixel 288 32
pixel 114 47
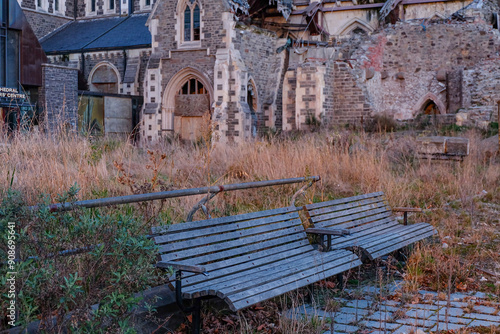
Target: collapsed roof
pixel 251 7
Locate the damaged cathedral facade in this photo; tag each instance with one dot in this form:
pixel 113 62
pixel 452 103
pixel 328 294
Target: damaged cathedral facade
pixel 273 65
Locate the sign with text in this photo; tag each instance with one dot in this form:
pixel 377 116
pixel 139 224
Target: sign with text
pixel 11 93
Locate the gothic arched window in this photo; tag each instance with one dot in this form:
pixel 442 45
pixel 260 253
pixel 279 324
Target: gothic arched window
pixel 191 22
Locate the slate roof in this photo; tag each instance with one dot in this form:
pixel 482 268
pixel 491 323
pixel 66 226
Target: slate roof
pixel 99 34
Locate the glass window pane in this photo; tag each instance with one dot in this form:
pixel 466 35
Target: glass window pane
pixel 13 58
pixel 192 86
pixel 148 2
pixel 200 88
pixel 185 89
pixel 196 23
pixel 187 24
pixel 92 5
pixel 56 5
pixel 111 4
pixel 2 59
pixel 2 15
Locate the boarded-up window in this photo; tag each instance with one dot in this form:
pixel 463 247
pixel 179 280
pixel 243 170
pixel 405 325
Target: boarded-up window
pixel 104 80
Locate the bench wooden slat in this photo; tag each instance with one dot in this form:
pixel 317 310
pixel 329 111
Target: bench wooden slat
pixel 255 276
pixel 287 284
pixel 356 220
pixel 282 274
pixel 244 232
pixel 222 220
pixel 399 237
pixel 235 254
pixel 343 200
pixel 241 263
pixel 351 214
pixel 231 244
pixel 404 243
pixel 266 223
pixel 241 270
pixel 344 207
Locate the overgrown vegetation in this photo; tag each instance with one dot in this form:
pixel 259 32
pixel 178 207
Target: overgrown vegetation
pixel 460 199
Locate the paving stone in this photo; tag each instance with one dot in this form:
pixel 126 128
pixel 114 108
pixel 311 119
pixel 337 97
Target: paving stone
pixel 423 292
pixel 457 297
pixel 359 303
pixel 383 316
pixel 452 311
pixel 487 317
pixel 418 313
pixel 480 295
pixel 424 306
pixel 455 320
pixel 380 324
pixel 343 328
pixel 370 289
pixel 476 323
pixel 407 330
pixel 485 309
pixel 353 310
pixel 346 318
pixel 454 304
pixel 416 322
pixel 390 303
pixel 441 326
pixel 387 308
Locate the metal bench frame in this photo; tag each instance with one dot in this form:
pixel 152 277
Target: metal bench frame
pixel 244 259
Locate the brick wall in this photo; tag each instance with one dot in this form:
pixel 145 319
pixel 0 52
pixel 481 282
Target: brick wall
pixel 346 101
pixel 59 98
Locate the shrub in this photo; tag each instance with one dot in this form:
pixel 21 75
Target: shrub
pixel 60 290
pixel 381 123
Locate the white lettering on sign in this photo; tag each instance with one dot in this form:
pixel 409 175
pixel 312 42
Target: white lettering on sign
pixel 11 93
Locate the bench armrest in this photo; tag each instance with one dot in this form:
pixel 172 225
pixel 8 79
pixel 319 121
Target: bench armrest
pixel 407 210
pixel 181 267
pixel 328 231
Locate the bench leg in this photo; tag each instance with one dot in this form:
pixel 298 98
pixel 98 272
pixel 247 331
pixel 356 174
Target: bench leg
pixel 196 325
pixel 340 281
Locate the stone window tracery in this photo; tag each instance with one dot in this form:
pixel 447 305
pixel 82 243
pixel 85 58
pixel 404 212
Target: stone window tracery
pixel 191 21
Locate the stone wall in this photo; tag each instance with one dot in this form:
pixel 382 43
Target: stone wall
pixel 262 65
pixel 43 24
pixel 411 64
pixel 59 98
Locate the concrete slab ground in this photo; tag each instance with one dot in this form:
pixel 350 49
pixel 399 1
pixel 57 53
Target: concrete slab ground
pixel 385 312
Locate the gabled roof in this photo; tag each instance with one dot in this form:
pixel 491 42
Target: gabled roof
pixel 113 33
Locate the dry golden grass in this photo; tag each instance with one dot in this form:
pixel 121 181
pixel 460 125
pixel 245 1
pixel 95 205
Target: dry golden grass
pixel 467 218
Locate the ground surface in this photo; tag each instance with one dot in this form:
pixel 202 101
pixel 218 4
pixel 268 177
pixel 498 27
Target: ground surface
pixel 427 311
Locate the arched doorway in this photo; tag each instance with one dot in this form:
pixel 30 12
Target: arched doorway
pixel 187 98
pixel 430 108
pixel 104 78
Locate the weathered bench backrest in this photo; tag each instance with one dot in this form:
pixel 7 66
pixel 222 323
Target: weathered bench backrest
pixel 231 240
pixel 351 213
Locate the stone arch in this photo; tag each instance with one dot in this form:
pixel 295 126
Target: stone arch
pixel 253 104
pixel 104 78
pixel 354 24
pixel 172 89
pixel 424 101
pixel 179 25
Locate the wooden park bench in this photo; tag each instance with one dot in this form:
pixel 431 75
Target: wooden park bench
pixel 364 224
pixel 244 259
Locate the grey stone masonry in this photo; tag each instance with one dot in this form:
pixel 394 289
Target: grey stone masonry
pixel 59 98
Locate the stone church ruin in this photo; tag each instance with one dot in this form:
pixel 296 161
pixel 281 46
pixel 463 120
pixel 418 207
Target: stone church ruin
pixel 111 66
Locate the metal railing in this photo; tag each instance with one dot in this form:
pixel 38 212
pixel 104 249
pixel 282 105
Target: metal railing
pixel 209 191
